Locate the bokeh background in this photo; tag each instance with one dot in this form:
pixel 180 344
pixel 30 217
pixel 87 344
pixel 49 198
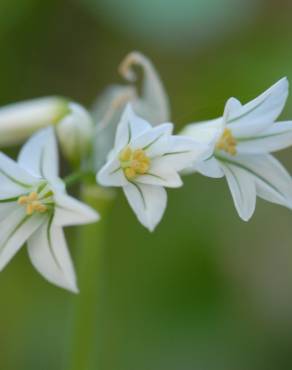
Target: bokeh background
pixel 206 291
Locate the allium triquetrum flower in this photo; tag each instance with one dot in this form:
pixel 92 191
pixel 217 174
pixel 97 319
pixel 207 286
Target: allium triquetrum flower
pixel 34 207
pixel 242 140
pixel 144 160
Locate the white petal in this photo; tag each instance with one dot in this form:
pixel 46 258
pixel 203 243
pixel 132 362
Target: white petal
pixel 9 191
pixel 232 105
pixel 276 137
pixel 11 174
pixel 152 140
pixel 207 132
pixel 210 168
pixel 279 189
pixel 183 151
pixel 48 253
pixel 129 127
pixel 16 228
pixel 153 104
pixel 69 211
pixel 114 97
pixel 148 202
pixel 242 189
pixel 161 174
pixel 111 174
pixel 39 155
pixel 259 113
pixel 272 181
pixel 107 113
pixel 6 209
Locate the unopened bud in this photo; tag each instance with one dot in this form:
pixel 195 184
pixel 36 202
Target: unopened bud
pixel 20 120
pixel 75 133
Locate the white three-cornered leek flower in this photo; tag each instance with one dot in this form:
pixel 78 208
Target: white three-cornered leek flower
pixel 242 140
pixel 144 160
pixel 34 207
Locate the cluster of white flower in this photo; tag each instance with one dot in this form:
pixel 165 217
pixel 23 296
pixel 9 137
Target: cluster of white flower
pixel 126 142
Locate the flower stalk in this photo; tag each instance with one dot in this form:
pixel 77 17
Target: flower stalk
pixel 91 242
pixel 78 176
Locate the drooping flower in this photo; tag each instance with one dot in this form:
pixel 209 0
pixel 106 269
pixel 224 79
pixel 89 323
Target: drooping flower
pixel 151 104
pixel 144 161
pixel 34 208
pixel 242 141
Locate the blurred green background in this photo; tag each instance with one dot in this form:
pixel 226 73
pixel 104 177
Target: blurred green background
pixel 206 291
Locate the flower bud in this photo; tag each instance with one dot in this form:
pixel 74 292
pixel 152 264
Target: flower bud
pixel 75 133
pixel 20 120
pixel 73 124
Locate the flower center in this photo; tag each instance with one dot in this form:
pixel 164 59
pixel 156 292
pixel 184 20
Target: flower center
pixel 33 203
pixel 227 142
pixel 134 162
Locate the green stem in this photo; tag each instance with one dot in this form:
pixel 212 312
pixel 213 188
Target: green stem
pixel 76 177
pixel 91 243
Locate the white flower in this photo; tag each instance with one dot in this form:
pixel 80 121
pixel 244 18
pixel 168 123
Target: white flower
pixel 34 208
pixel 242 140
pixel 144 161
pixel 151 104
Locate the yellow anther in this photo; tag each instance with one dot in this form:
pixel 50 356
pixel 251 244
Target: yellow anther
pixel 22 200
pixel 39 207
pixel 29 209
pixel 134 162
pixel 32 203
pixel 130 173
pixel 143 167
pixel 139 155
pixel 126 154
pixel 33 196
pixel 227 142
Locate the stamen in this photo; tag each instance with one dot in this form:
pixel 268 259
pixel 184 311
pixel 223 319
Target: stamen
pixel 126 154
pixel 134 162
pixel 227 142
pixel 32 203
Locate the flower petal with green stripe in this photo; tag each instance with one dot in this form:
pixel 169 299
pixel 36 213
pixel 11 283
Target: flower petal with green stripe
pixel 242 140
pixel 34 207
pixel 145 160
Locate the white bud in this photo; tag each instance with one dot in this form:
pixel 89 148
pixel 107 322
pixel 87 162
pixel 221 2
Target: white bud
pixel 20 120
pixel 75 133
